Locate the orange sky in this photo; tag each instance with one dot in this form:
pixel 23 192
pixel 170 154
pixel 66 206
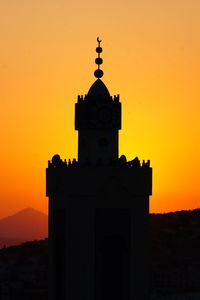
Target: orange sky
pixel 151 58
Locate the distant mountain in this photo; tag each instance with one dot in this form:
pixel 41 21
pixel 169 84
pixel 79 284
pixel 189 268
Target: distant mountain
pixel 26 225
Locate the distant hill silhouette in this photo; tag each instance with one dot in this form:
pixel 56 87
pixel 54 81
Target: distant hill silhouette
pixel 26 225
pixel 176 234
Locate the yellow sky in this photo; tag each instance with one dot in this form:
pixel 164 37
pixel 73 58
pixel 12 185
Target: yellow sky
pixel 151 58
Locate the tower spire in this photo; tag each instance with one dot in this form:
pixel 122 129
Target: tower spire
pixel 98 73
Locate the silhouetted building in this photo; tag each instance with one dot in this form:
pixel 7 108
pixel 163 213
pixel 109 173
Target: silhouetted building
pixel 98 208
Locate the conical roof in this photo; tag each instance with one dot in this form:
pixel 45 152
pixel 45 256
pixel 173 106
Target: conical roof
pixel 98 91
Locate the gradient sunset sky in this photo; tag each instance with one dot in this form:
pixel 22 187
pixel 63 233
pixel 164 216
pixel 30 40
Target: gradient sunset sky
pixel 151 52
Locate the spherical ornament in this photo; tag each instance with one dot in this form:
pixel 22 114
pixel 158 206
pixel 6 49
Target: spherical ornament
pixel 98 60
pixel 99 49
pixel 56 160
pixel 98 73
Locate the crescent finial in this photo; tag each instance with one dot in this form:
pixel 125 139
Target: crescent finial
pixel 98 73
pixel 98 40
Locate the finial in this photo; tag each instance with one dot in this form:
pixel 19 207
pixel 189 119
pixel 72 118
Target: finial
pixel 98 73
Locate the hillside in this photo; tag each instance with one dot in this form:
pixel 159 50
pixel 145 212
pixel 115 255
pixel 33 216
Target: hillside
pixel 26 225
pixel 174 260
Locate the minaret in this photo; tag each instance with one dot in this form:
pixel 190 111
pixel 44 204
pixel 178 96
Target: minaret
pixel 98 209
pixel 98 119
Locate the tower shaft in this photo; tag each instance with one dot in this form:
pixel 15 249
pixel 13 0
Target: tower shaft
pixel 98 209
pixel 97 147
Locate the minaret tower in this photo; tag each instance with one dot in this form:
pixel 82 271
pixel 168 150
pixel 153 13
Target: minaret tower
pixel 98 208
pixel 98 119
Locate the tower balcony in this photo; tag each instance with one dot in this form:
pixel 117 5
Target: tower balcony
pixel 71 178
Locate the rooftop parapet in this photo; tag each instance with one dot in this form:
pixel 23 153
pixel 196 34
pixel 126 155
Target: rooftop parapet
pixel 71 178
pixel 82 98
pixel 57 162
